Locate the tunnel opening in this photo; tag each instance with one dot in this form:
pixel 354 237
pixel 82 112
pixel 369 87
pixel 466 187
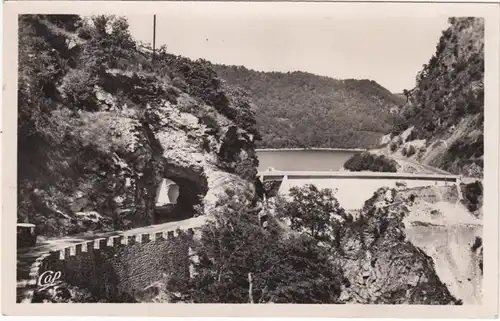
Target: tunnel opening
pixel 177 196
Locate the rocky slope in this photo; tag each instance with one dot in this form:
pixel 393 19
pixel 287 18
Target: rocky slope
pixel 442 122
pixel 100 125
pixel 380 265
pixel 298 109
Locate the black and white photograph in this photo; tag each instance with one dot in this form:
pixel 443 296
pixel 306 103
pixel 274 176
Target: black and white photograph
pixel 250 159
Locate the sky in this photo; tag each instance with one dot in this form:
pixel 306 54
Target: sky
pixel 390 50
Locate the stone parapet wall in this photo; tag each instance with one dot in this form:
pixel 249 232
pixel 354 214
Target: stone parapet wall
pixel 116 268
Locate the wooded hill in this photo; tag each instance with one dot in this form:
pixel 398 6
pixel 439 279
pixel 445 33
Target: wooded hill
pixel 298 109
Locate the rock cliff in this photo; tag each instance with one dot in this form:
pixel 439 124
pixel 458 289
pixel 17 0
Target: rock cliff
pixel 442 123
pixel 101 124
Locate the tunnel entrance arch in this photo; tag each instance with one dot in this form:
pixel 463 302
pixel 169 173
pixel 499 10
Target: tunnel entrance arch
pixel 167 193
pixel 177 195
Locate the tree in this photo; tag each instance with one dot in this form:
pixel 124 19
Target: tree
pixel 242 262
pixel 313 211
pixel 366 161
pixel 407 94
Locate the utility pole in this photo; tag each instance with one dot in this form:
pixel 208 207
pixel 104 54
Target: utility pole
pixel 154 36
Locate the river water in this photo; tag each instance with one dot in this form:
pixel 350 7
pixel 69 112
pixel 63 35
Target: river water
pixel 303 160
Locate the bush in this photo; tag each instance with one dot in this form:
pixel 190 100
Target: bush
pixel 421 151
pixel 473 195
pixel 478 242
pixel 367 162
pixel 246 169
pixel 393 147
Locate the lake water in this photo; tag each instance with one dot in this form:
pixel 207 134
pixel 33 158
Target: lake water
pixel 303 160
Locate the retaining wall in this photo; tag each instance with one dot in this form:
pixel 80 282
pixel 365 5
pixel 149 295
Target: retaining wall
pixel 118 266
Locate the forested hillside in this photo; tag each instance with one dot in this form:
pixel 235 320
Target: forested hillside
pixel 445 110
pixel 298 109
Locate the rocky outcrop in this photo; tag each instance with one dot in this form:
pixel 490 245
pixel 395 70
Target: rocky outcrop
pixel 380 265
pixel 111 125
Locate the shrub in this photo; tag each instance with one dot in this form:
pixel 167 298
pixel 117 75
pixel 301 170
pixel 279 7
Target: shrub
pixel 271 188
pixel 393 147
pixel 210 121
pixel 478 242
pixel 421 151
pixel 473 195
pixel 367 162
pixel 246 169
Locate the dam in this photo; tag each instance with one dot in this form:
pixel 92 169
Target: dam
pixel 352 189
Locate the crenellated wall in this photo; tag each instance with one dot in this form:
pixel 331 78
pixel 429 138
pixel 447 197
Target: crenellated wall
pixel 118 266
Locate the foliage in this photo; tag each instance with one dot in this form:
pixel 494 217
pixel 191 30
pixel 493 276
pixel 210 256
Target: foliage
pixel 246 169
pixel 200 80
pixel 110 43
pixel 366 161
pixel 473 195
pixel 315 212
pixel 478 242
pixel 469 149
pixel 283 269
pixel 298 109
pixel 271 188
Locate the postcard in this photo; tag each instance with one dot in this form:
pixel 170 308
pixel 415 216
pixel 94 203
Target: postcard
pixel 250 159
